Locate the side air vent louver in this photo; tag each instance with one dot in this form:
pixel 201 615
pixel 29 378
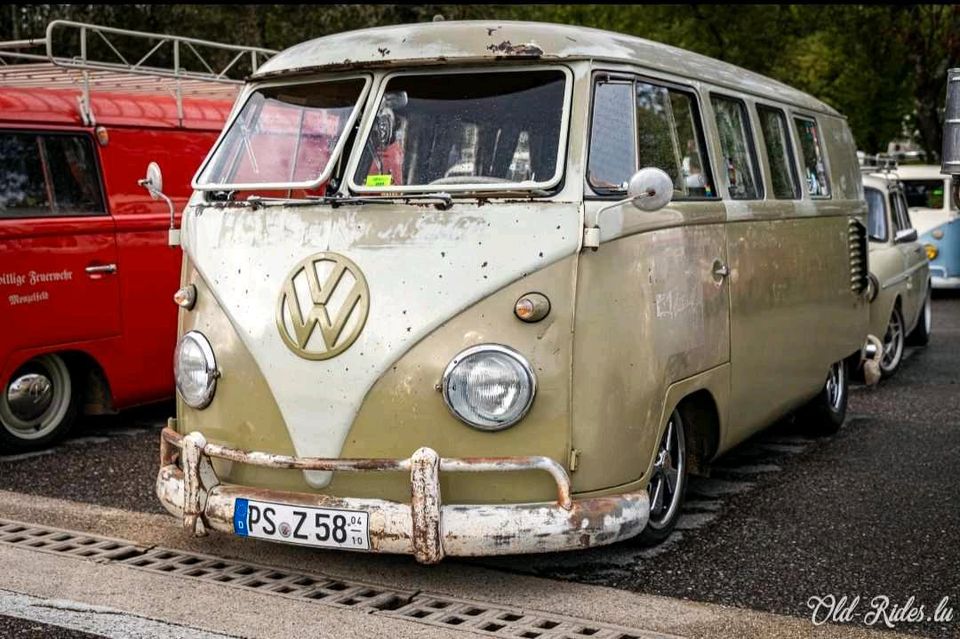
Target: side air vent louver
pixel 857 240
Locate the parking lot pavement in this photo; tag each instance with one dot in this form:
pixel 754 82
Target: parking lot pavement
pixel 871 512
pixel 110 460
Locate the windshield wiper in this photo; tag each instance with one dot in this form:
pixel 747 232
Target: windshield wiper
pixel 444 201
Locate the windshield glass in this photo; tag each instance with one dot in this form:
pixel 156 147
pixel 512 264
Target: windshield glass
pixel 466 130
pixel 285 136
pixel 924 193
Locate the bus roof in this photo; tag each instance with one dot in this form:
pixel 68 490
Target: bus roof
pixel 478 41
pixel 60 107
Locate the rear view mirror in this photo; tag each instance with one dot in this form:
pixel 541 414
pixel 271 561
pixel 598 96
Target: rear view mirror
pixel 650 189
pixel 905 235
pixel 153 182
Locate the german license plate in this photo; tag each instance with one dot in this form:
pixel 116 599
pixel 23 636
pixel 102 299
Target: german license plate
pixel 328 527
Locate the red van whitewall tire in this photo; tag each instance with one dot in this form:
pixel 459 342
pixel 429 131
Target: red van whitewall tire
pixel 38 405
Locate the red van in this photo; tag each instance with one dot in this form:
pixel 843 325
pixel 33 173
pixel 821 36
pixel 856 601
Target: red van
pixel 87 324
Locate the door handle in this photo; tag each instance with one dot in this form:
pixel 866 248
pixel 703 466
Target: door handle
pixel 720 270
pixel 101 269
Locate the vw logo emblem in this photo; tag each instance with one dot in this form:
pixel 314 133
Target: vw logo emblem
pixel 328 292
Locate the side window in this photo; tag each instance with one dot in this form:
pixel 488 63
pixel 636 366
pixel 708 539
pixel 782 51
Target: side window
pixel 669 138
pixel 876 215
pixel 738 163
pixel 23 188
pixel 776 139
pixel 901 218
pixel 613 154
pixel 48 175
pixel 812 160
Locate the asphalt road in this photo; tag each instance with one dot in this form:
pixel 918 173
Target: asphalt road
pixel 16 628
pixel 873 511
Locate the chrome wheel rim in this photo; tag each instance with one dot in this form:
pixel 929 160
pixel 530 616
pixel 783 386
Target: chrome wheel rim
pixel 36 398
pixel 666 481
pixel 836 386
pixel 927 315
pixel 892 343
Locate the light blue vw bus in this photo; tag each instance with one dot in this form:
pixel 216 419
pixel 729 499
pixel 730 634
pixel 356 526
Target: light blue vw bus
pixel 937 220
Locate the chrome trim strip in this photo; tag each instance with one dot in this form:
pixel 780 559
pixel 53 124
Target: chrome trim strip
pixel 907 273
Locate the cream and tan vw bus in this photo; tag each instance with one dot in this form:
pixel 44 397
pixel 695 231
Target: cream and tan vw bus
pixel 474 288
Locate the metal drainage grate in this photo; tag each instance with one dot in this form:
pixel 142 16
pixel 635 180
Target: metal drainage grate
pixel 474 616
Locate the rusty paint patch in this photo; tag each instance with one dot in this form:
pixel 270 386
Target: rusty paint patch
pixel 516 50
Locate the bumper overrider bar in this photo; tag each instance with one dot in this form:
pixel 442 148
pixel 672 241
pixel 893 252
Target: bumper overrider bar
pixel 425 527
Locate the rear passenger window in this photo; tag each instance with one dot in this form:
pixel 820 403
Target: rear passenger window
pixel 776 139
pixel 812 160
pixel 48 175
pixel 738 164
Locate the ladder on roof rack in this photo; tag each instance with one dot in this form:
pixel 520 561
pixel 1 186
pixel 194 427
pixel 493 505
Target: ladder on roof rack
pixel 89 56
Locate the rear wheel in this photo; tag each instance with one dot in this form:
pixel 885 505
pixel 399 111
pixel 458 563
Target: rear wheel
pixel 825 413
pixel 893 343
pixel 38 405
pixel 920 335
pixel 668 481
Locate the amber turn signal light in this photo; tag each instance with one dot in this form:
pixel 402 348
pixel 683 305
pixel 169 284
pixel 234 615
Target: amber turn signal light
pixel 532 307
pixel 931 250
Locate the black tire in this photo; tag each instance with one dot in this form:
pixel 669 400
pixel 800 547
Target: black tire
pixel 825 413
pixel 671 456
pixel 920 335
pixel 38 405
pixel 894 342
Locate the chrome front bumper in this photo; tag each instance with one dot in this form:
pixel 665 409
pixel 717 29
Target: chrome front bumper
pixel 425 527
pixel 939 279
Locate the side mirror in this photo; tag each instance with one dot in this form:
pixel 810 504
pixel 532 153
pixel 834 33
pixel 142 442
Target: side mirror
pixel 153 182
pixel 905 235
pixel 650 189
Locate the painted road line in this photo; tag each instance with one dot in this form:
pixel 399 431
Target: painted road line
pixel 98 620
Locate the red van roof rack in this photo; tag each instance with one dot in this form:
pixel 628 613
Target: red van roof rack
pixel 88 57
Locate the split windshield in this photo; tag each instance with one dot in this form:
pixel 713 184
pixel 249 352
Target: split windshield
pixel 462 131
pixel 285 136
pixel 465 130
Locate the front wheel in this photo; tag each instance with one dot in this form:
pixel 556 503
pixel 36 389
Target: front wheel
pixel 38 405
pixel 668 481
pixel 920 335
pixel 825 413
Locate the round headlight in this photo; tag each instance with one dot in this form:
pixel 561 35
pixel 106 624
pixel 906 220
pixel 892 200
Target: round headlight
pixel 195 369
pixel 490 387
